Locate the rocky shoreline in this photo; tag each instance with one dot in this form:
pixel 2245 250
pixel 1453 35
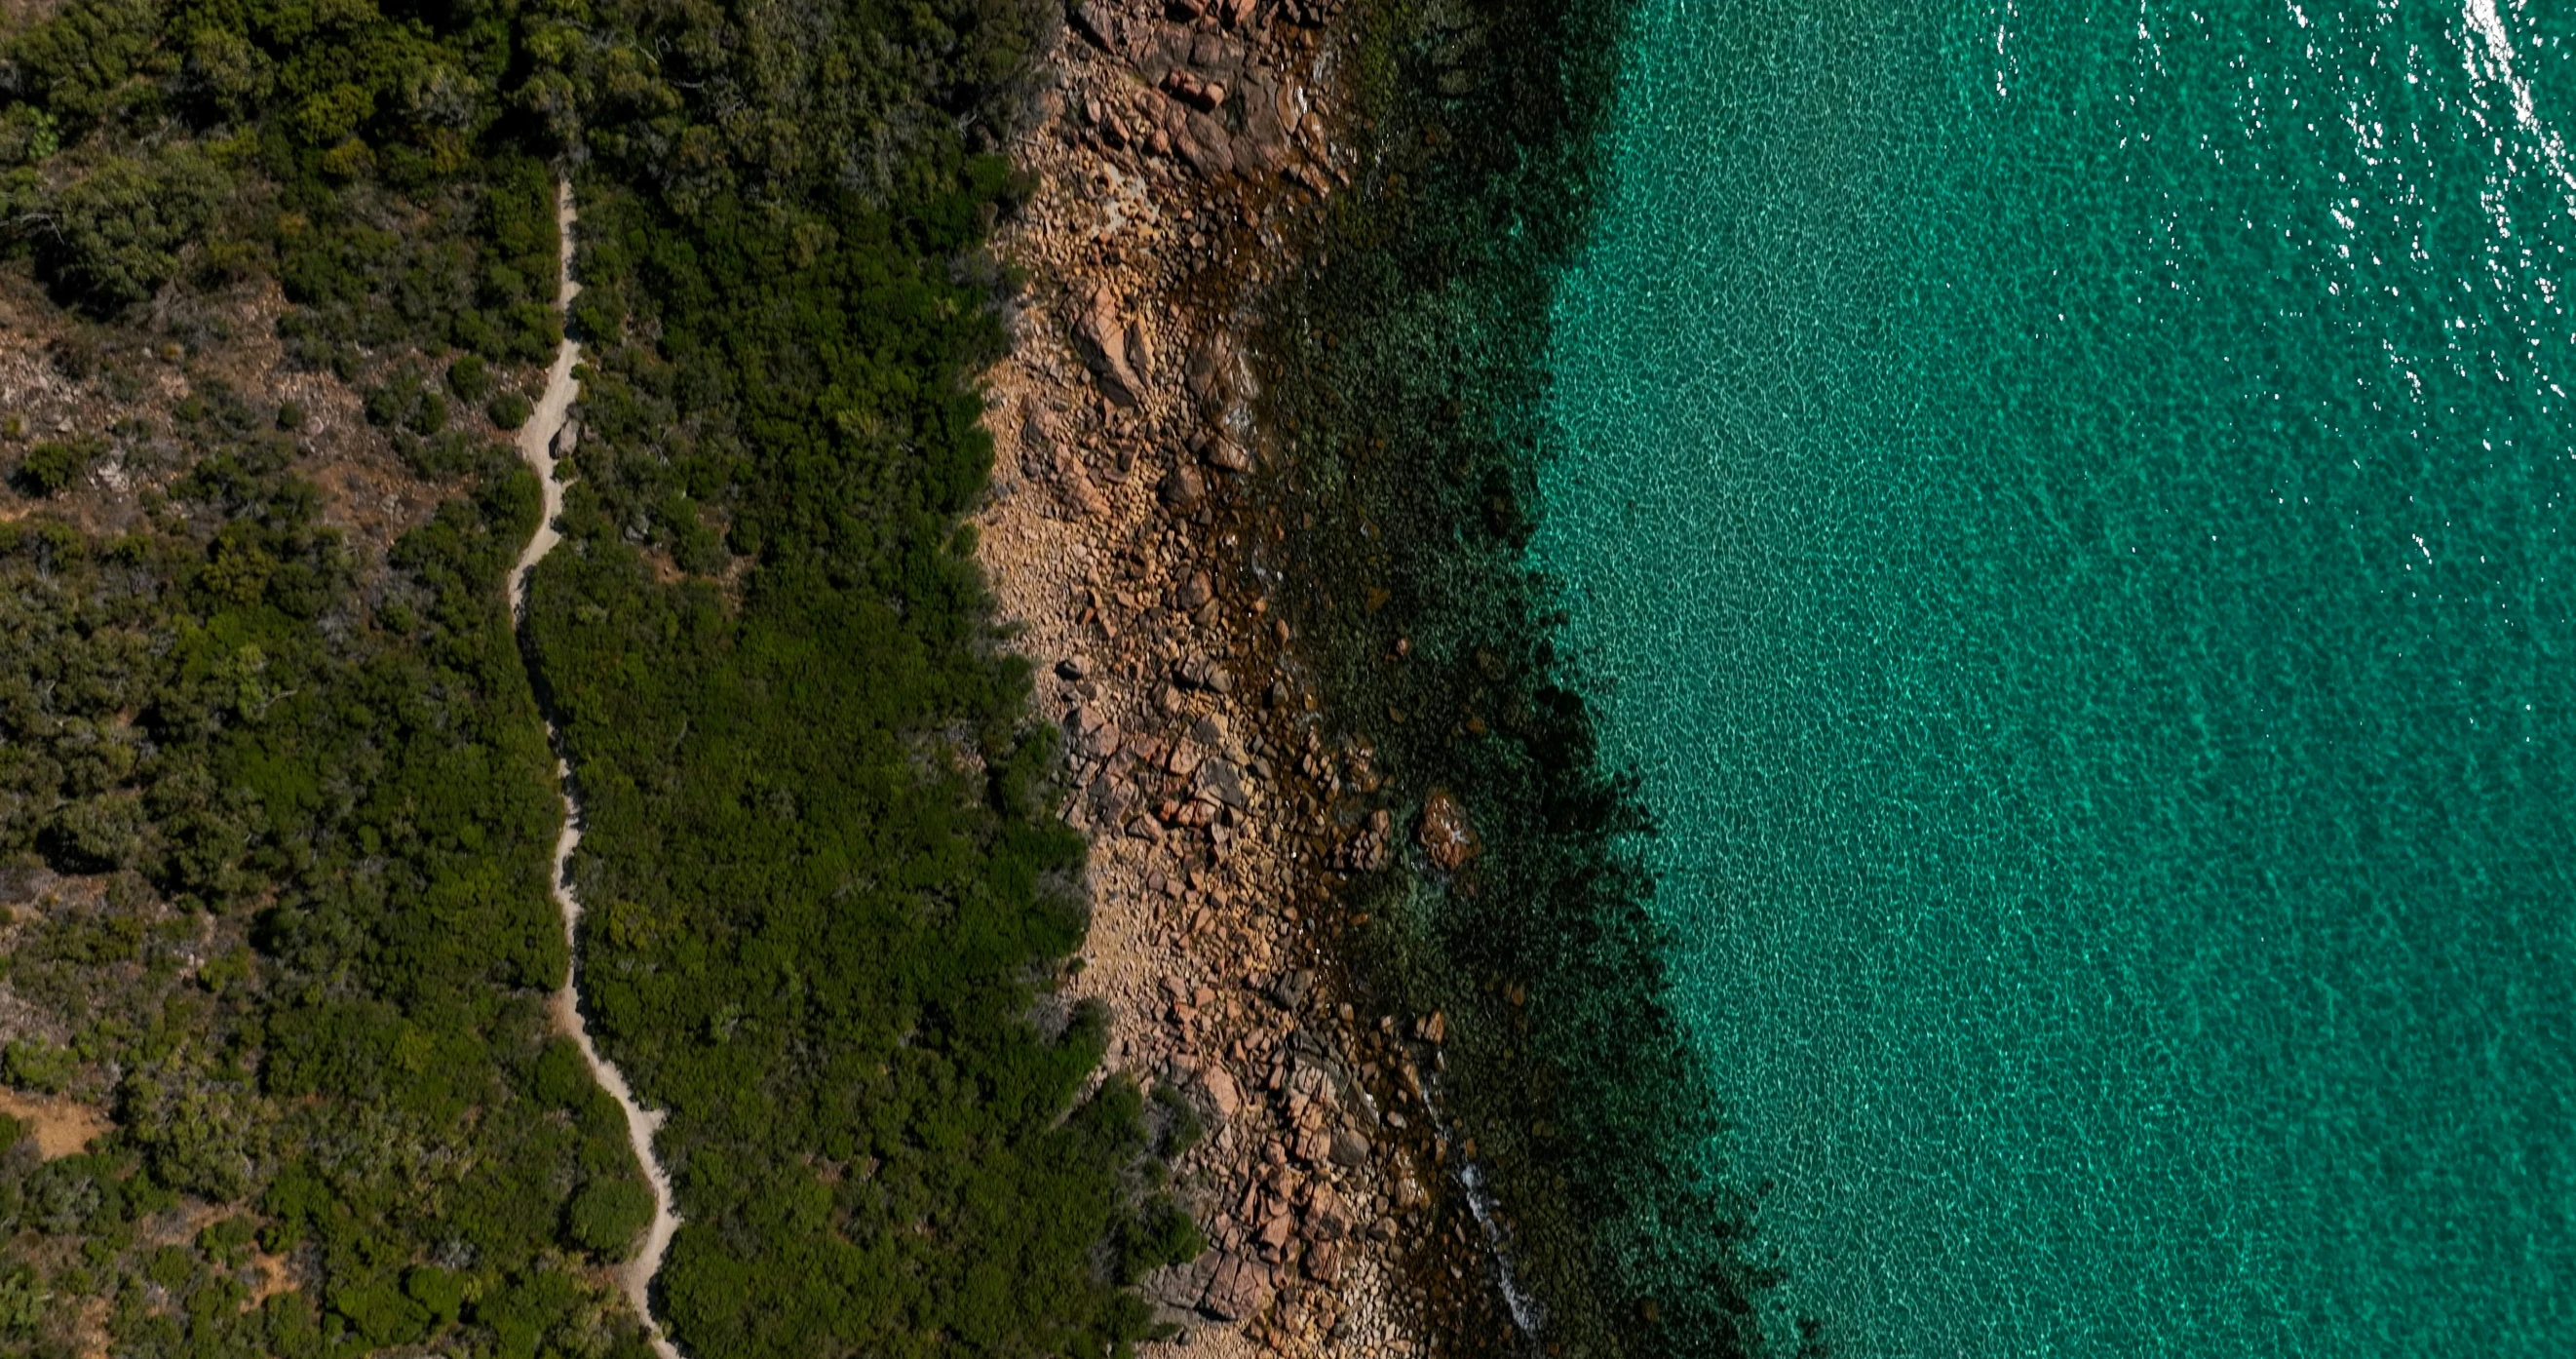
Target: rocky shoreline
pixel 1176 157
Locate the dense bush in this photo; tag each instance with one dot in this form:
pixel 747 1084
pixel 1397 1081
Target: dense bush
pixel 509 410
pixel 50 468
pixel 312 985
pixel 370 161
pixel 818 918
pixel 321 798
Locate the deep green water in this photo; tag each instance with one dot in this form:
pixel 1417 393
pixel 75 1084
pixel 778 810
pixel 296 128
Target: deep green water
pixel 2067 510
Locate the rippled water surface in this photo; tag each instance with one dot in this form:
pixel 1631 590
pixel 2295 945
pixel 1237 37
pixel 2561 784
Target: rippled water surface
pixel 2067 509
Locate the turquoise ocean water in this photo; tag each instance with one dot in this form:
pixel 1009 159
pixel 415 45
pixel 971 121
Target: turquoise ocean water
pixel 2067 509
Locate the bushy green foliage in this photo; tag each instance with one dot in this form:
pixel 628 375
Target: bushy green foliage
pixel 470 378
pixel 825 892
pixel 509 410
pixel 367 159
pixel 313 985
pixel 609 1215
pixel 1161 1235
pixel 50 468
pixel 116 231
pixel 817 906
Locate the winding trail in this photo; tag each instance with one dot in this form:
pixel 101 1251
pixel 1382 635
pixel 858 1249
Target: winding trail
pixel 537 443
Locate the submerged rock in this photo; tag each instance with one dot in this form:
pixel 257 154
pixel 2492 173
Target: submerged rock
pixel 1445 835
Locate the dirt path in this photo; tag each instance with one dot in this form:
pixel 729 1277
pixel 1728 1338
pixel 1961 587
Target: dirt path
pixel 538 440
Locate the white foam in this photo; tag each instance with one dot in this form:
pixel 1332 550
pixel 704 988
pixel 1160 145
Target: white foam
pixel 2490 59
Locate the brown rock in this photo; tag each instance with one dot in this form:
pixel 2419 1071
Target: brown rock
pixel 1200 672
pixel 1326 1218
pixel 1350 1149
pixel 1211 375
pixel 1240 1288
pixel 1140 349
pixel 1445 834
pixel 1062 469
pixel 1099 23
pixel 1212 53
pixel 1222 779
pixel 1184 487
pixel 1263 145
pixel 1265 156
pixel 1324 1262
pixel 1205 145
pixel 1171 47
pixel 1197 590
pixel 1227 454
pixel 1098 735
pixel 1189 88
pixel 1102 338
pixel 1221 1090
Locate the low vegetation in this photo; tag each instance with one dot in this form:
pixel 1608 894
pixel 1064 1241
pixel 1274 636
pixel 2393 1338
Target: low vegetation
pixel 275 804
pixel 282 843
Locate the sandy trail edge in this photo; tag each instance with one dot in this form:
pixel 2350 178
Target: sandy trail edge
pixel 537 445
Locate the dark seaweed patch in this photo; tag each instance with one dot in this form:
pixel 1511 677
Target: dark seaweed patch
pixel 1410 365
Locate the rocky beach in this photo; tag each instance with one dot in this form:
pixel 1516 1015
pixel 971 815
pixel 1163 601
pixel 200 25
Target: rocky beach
pixel 1177 156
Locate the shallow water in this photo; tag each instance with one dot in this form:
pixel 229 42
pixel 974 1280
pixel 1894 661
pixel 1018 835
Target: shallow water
pixel 2068 513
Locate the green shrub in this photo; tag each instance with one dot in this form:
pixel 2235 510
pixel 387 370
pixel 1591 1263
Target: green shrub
pixel 170 1266
pixel 470 378
pixel 28 135
pixel 1182 1126
pixel 563 1079
pixel 1162 1235
pixel 50 468
pixel 118 230
pixel 34 1064
pixel 440 1291
pixel 608 1217
pixel 509 410
pixel 450 454
pixel 77 59
pixel 392 402
pixel 24 1301
pixel 597 315
pixel 382 1315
